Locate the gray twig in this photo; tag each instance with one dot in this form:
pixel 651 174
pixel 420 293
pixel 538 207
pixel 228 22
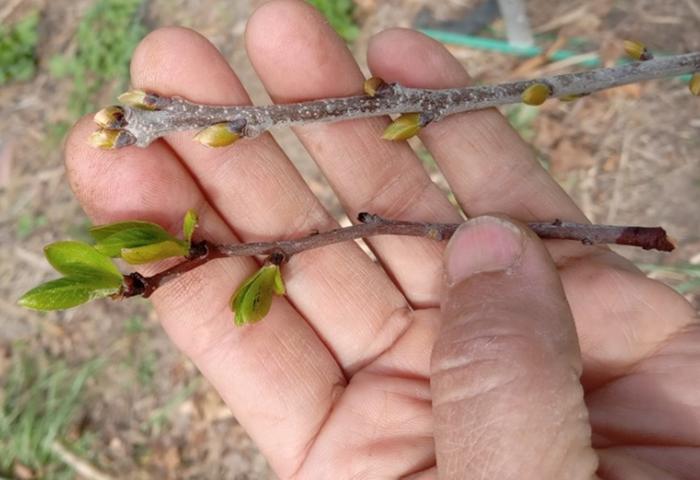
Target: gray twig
pixel 141 126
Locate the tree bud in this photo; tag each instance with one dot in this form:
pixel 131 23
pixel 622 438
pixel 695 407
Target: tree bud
pixel 218 135
pixel 110 117
pixel 406 126
pixel 536 94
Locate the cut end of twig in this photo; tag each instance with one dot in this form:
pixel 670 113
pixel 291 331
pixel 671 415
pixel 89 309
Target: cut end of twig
pixel 648 238
pixel 111 117
pixel 109 139
pixel 536 94
pixel 637 50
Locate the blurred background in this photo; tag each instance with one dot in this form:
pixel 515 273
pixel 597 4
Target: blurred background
pixel 98 392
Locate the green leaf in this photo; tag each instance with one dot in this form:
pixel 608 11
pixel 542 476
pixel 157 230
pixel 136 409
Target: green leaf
pixel 154 251
pixel 252 300
pixel 114 237
pixel 278 284
pixel 80 261
pixel 64 293
pixel 189 223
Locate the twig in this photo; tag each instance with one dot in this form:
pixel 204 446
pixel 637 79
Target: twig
pixel 81 467
pixel 141 126
pixel 373 225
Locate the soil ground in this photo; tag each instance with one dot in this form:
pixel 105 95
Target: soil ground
pixel 629 155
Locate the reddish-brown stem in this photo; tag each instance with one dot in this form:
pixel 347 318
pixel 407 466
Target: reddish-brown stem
pixel 371 225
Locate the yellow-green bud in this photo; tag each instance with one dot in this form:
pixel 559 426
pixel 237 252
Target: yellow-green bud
pixel 108 139
pixel 217 135
pixel 110 117
pixel 572 97
pixel 694 84
pixel 536 94
pixel 406 126
pixel 253 299
pixel 637 50
pixel 139 99
pixel 371 85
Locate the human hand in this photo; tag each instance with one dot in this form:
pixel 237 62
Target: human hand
pixel 336 381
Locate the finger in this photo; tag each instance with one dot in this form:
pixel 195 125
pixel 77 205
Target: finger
pixel 299 57
pixel 486 163
pixel 491 169
pixel 505 368
pixel 280 365
pixel 261 195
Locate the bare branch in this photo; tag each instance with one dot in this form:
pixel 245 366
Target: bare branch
pixel 163 115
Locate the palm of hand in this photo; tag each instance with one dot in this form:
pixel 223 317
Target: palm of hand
pixel 335 382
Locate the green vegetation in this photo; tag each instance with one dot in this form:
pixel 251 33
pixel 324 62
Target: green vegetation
pixel 28 224
pixel 339 15
pixel 38 402
pixel 522 118
pixel 686 276
pixel 106 38
pixel 18 49
pixel 88 271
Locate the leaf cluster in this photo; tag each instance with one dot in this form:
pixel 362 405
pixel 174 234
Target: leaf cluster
pixel 106 38
pixel 18 49
pixel 88 270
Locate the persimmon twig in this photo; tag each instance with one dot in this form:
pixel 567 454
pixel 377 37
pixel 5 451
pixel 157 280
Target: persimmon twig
pixel 372 225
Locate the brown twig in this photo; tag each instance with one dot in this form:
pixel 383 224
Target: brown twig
pixel 163 115
pixel 372 225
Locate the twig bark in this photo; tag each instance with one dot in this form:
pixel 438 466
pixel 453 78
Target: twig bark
pixel 373 225
pixel 140 126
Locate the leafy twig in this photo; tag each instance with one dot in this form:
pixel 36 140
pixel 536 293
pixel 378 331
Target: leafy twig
pixel 372 225
pixel 147 116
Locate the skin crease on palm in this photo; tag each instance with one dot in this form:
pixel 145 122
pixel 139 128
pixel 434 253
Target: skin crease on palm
pixel 336 381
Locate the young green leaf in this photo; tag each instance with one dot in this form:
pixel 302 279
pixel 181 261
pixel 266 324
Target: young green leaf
pixel 64 293
pixel 189 223
pixel 253 299
pixel 406 126
pixel 154 251
pixel 81 261
pixel 112 238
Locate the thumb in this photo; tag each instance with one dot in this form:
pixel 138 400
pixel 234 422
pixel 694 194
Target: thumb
pixel 505 368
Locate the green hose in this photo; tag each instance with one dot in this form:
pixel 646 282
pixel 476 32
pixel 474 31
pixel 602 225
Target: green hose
pixel 501 46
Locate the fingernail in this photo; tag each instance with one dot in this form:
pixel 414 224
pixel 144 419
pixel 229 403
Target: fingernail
pixel 483 244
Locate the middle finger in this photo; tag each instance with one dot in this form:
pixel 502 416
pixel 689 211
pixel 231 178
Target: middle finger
pixel 366 172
